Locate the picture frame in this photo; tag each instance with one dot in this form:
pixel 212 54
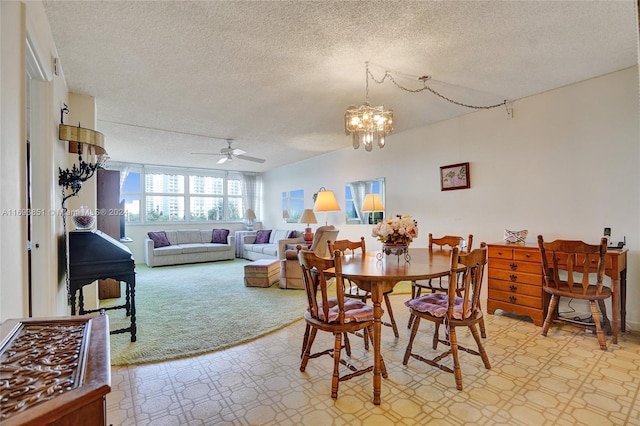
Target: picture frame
pixel 455 176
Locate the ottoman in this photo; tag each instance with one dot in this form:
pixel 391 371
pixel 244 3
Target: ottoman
pixel 262 273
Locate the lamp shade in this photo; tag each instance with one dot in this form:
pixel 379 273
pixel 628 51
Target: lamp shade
pixel 250 214
pixel 372 203
pixel 308 217
pixel 326 202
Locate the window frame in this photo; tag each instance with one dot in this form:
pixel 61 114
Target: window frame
pixel 185 192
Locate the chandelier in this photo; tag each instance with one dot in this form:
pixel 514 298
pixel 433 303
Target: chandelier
pixel 368 124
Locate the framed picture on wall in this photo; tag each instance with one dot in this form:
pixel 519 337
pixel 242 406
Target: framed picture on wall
pixel 455 176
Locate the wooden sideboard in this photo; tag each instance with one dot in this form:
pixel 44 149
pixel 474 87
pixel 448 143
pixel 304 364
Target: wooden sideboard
pixel 515 281
pixel 55 371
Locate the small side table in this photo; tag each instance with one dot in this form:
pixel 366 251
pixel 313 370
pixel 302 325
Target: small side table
pixel 239 236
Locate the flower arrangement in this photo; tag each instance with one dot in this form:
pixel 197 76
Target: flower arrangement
pixel 401 229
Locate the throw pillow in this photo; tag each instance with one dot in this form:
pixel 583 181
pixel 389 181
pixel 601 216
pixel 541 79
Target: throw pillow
pixel 219 236
pixel 263 235
pixel 292 234
pixel 515 236
pixel 159 239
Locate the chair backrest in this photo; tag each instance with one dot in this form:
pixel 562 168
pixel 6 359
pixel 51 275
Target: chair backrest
pixel 577 260
pixel 346 246
pixel 315 285
pixel 450 241
pixel 320 238
pixel 470 269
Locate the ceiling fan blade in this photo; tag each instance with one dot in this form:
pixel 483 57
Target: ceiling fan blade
pixel 237 151
pixel 222 160
pixel 205 153
pixel 246 157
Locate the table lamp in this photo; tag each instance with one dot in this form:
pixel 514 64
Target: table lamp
pixel 325 201
pixel 308 217
pixel 249 217
pixel 372 203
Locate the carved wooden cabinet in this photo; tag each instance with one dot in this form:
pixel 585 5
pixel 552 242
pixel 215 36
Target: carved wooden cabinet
pixel 54 371
pixel 515 281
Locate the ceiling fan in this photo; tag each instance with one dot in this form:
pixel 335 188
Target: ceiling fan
pixel 229 153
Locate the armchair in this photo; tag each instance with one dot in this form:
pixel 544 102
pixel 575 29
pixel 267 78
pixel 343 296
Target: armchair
pixel 290 270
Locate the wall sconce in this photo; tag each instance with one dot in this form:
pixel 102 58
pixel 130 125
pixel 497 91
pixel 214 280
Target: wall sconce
pixel 249 217
pixel 325 201
pixel 85 142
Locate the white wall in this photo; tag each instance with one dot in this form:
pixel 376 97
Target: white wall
pixel 19 20
pixel 13 258
pixel 567 165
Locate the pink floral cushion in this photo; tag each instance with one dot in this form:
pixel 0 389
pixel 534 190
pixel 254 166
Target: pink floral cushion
pixel 354 311
pixel 436 304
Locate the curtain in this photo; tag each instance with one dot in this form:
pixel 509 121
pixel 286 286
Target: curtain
pixel 251 192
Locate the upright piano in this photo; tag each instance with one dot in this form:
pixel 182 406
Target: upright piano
pixel 93 255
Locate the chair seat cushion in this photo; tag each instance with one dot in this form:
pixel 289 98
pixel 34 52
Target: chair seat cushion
pixel 436 304
pixel 354 311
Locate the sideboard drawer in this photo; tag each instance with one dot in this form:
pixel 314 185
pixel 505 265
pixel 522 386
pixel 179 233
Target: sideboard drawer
pixel 516 266
pixel 515 299
pixel 528 256
pixel 515 277
pixel 500 253
pixel 517 288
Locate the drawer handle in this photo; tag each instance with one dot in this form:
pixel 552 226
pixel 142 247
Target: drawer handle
pixel 512 299
pixel 513 288
pixel 527 255
pixel 513 277
pixel 513 266
pixel 499 253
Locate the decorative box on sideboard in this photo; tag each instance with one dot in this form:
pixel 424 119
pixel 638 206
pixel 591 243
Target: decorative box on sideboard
pixel 515 281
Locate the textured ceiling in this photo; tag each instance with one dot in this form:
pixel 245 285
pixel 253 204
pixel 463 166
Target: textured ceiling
pixel 276 76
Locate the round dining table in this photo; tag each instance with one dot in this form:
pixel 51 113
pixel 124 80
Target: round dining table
pixel 378 274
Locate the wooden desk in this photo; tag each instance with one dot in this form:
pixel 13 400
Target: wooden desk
pixel 515 282
pixel 55 370
pixel 380 276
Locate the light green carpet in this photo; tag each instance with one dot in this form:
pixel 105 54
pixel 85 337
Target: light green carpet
pixel 194 309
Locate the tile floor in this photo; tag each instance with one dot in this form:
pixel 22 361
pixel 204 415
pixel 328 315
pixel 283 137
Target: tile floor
pixel 562 379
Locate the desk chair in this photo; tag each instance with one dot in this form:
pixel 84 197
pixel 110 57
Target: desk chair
pixel 459 307
pixel 337 315
pixel 574 261
pixel 353 291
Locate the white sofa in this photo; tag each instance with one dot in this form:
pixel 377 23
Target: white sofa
pixel 188 246
pixel 274 249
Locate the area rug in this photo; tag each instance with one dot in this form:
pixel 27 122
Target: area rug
pixel 193 309
pixel 188 310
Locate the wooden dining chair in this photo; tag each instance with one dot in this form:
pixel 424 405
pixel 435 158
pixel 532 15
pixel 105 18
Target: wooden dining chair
pixel 352 290
pixel 337 315
pixel 440 284
pixel 575 269
pixel 459 307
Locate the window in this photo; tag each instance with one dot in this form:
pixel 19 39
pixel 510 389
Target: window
pixel 156 194
pixel 293 203
pixel 160 203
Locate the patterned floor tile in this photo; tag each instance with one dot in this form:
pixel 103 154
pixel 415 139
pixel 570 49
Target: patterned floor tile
pixel 561 379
